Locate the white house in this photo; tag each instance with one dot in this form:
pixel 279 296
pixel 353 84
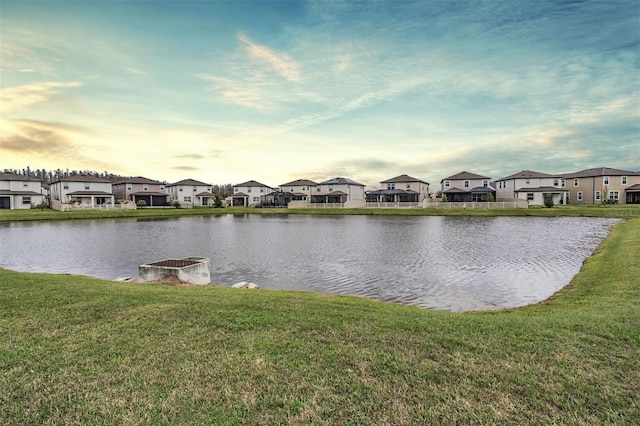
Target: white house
pixel 84 191
pixel 338 190
pixel 19 192
pixel 248 193
pixel 190 192
pixel 532 186
pixel 400 189
pixel 467 187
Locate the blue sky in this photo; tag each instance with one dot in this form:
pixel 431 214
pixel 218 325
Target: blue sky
pixel 226 92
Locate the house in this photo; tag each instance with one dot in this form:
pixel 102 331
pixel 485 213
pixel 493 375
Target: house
pixel 19 191
pixel 400 189
pixel 467 187
pixel 190 192
pixel 301 188
pixel 593 186
pixel 338 190
pixel 83 191
pixel 532 186
pixel 139 188
pixel 248 193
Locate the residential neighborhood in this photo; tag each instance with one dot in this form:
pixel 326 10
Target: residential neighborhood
pixel 463 189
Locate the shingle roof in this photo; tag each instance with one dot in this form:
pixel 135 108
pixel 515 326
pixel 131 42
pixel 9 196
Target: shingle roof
pixel 599 171
pixel 300 182
pixel 83 178
pixel 138 179
pixel 8 192
pixel 251 183
pixel 15 176
pixel 154 193
pixel 465 175
pixel 403 178
pixel 188 182
pixel 339 181
pixel 528 174
pixel 89 193
pixel 542 189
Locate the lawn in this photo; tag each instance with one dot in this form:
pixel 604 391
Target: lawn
pixel 78 350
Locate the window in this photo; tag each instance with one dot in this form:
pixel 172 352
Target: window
pixel 25 184
pixel 466 183
pixel 65 185
pixel 597 195
pixel 261 190
pixel 87 186
pixel 563 183
pixel 408 185
pixel 26 200
pixel 528 181
pixel 330 188
pixel 256 199
pixel 235 189
pixel 161 187
pixel 145 187
pixel 529 196
pixel 576 182
pixel 614 195
pixel 249 190
pixel 605 180
pixel 579 195
pixel 623 180
pixel 447 183
pixel 195 189
pixel 291 189
pixel 485 183
pixel 391 186
pixel 187 199
pixel 129 187
pixel 555 182
pixel 180 189
pixel 319 188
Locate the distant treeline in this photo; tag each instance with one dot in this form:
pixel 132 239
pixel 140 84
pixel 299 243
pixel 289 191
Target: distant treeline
pixel 49 176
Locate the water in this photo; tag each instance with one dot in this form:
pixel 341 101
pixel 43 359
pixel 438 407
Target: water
pixel 448 263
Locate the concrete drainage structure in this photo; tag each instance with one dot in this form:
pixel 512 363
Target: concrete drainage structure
pixel 193 270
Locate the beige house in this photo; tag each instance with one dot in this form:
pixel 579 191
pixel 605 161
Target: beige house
pixel 531 186
pixel 467 187
pixel 19 191
pixel 299 187
pixel 338 190
pixel 400 189
pixel 190 192
pixel 83 191
pixel 248 193
pixel 593 186
pixel 139 188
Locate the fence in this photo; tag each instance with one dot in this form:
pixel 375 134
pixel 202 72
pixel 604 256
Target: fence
pixel 398 205
pixel 519 204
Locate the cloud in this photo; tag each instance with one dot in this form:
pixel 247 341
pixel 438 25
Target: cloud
pixel 279 62
pixel 190 156
pixel 18 97
pixel 135 71
pixel 185 168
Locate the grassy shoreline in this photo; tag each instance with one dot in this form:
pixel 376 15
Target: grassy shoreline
pixel 78 350
pixel 618 211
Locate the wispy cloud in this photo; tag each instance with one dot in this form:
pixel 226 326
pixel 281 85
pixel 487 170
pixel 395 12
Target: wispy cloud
pixel 135 71
pixel 279 62
pixel 18 97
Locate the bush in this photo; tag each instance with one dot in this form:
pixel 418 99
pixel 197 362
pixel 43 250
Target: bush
pixel 444 198
pixel 141 203
pixel 548 200
pixel 176 204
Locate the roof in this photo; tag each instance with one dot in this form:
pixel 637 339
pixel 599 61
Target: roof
pixel 89 193
pixel 455 190
pixel 391 192
pixel 7 192
pixel 189 182
pixel 528 174
pixel 465 175
pixel 83 178
pixel 138 179
pixel 336 193
pixel 482 190
pixel 633 188
pixel 251 183
pixel 15 176
pixel 149 193
pixel 599 171
pixel 300 182
pixel 239 195
pixel 543 189
pixel 204 194
pixel 403 178
pixel 340 181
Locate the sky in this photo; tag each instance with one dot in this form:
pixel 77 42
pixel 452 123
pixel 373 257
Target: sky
pixel 274 91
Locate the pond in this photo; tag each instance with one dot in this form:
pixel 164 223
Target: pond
pixel 447 263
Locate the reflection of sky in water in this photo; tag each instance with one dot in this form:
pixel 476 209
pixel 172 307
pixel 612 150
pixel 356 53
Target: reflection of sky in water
pixel 452 263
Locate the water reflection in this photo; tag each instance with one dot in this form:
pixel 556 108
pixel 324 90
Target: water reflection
pixel 451 263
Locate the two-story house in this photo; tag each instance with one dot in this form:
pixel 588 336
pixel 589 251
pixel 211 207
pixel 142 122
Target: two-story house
pixel 467 187
pixel 248 193
pixel 532 186
pixel 19 191
pixel 593 186
pixel 139 188
pixel 338 190
pixel 190 192
pixel 400 189
pixel 84 191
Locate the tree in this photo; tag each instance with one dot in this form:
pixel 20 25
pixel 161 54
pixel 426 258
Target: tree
pixel 548 200
pixel 490 198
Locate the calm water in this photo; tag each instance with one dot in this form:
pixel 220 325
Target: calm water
pixel 449 263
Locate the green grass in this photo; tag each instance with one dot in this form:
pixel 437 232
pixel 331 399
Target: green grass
pixel 78 350
pixel 620 211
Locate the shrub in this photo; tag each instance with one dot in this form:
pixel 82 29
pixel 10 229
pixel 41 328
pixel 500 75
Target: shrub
pixel 548 200
pixel 444 198
pixel 176 204
pixel 490 198
pixel 141 203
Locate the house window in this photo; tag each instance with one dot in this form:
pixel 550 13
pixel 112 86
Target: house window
pixel 529 196
pixel 180 189
pixel 330 188
pixel 26 200
pixel 605 180
pixel 129 187
pixel 248 189
pixel 318 188
pixel 446 183
pixel 391 186
pixel 25 184
pixel 597 195
pixel 145 187
pixel 291 189
pixel 576 182
pixel 261 190
pixel 623 180
pixel 466 183
pixel 161 187
pixel 485 183
pixel 528 180
pixel 195 188
pixel 555 182
pixel 563 183
pixel 408 185
pixel 579 195
pixel 86 186
pixel 614 195
pixel 65 185
pixel 187 199
pixel 235 190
